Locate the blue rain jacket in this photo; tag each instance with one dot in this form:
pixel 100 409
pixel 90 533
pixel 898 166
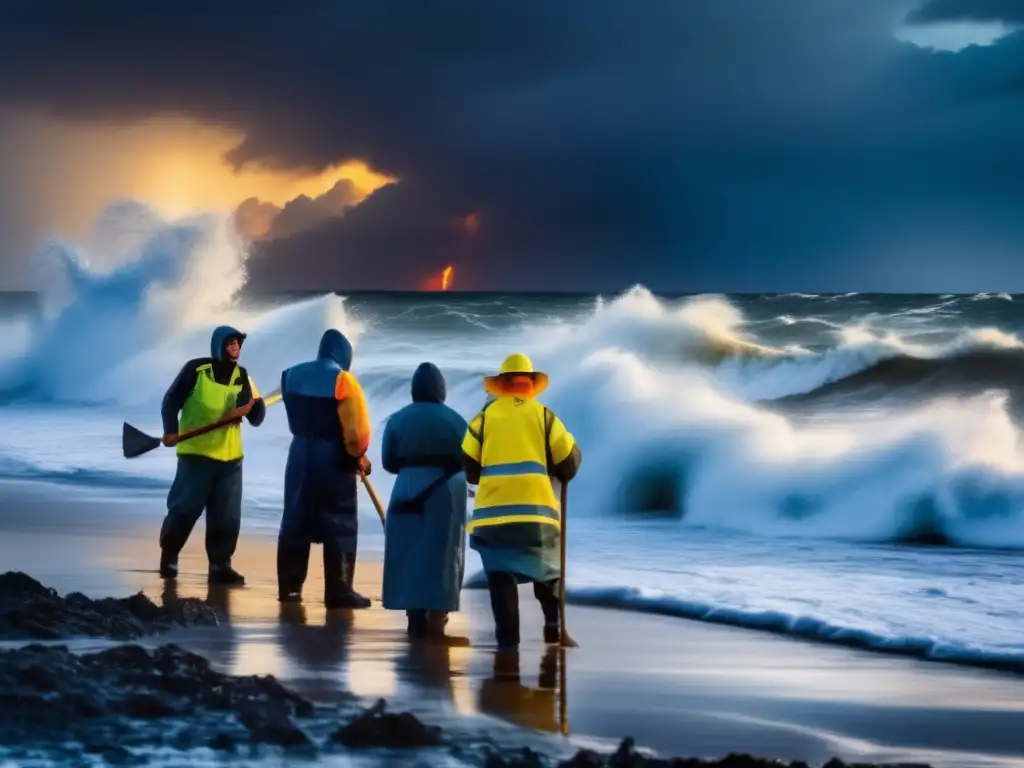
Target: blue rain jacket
pixel 424 550
pixel 320 493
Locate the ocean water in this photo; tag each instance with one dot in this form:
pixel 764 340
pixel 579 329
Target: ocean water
pixel 843 467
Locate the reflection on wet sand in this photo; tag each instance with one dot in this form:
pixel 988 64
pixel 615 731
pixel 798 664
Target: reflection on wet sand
pixel 437 668
pixel 218 597
pixel 676 672
pixel 321 650
pixel 505 696
pixel 330 655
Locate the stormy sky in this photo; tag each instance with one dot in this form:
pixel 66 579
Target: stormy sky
pixel 689 145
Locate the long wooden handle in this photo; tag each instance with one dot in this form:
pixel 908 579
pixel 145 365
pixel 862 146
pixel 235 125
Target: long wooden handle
pixel 204 429
pixel 269 400
pixel 373 497
pixel 561 591
pixel 567 641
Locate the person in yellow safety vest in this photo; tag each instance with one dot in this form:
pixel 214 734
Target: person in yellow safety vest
pixel 209 474
pixel 512 449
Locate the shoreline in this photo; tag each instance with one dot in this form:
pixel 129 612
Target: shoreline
pixel 114 504
pixel 678 686
pixel 806 630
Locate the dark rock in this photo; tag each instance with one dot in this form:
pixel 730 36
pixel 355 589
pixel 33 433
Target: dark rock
pixel 627 756
pixel 15 584
pixel 526 758
pixel 147 705
pixel 29 610
pixel 274 728
pixel 375 727
pixel 48 694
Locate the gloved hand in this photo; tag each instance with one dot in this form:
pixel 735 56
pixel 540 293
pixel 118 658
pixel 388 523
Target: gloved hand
pixel 237 413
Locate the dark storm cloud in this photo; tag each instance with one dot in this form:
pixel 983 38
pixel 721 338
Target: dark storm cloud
pixel 257 219
pixel 707 144
pixel 968 10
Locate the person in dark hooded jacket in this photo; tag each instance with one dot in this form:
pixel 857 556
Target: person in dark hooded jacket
pixel 209 474
pixel 425 542
pixel 330 426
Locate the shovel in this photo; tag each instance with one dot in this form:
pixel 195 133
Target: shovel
pixel 135 442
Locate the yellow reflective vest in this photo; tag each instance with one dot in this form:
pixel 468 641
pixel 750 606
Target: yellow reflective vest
pixel 209 402
pixel 517 442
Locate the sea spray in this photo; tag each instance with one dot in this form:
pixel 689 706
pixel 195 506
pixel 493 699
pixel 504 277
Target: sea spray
pixel 145 281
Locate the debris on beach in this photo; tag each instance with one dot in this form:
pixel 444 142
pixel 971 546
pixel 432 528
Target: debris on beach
pixel 30 610
pixel 375 727
pixel 124 702
pixel 130 695
pixel 121 702
pixel 627 756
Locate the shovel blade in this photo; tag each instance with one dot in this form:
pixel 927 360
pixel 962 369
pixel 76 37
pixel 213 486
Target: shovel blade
pixel 135 442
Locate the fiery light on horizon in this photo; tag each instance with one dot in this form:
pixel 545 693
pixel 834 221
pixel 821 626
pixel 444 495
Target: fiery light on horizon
pixel 440 281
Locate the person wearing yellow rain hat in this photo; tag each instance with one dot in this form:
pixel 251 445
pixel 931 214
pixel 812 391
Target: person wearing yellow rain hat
pixel 514 449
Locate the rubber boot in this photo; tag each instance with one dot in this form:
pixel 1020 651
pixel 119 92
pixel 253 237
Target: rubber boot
pixel 292 565
pixel 350 580
pixel 547 593
pixel 436 623
pixel 417 627
pixel 223 573
pixel 338 572
pixel 552 634
pixel 173 535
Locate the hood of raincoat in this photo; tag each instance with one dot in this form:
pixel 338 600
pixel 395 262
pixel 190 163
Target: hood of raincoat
pixel 428 385
pixel 221 335
pixel 335 346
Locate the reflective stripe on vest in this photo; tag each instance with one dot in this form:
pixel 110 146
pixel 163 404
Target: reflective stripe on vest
pixel 208 402
pixel 514 484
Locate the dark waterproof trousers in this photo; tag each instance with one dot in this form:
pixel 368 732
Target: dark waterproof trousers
pixel 206 484
pixel 504 591
pixel 320 507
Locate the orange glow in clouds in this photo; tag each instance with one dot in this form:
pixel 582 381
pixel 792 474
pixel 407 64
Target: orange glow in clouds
pixel 175 164
pixel 440 281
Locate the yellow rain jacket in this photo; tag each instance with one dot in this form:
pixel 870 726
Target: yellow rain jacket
pixel 518 444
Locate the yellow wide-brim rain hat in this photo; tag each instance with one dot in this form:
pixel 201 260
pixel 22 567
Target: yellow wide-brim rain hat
pixel 513 364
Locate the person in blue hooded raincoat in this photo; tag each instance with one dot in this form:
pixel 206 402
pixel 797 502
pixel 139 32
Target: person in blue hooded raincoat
pixel 424 546
pixel 330 426
pixel 209 474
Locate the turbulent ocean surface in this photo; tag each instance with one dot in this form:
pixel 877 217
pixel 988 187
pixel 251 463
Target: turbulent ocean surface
pixel 845 467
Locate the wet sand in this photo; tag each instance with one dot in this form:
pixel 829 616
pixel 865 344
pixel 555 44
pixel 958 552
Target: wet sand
pixel 679 687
